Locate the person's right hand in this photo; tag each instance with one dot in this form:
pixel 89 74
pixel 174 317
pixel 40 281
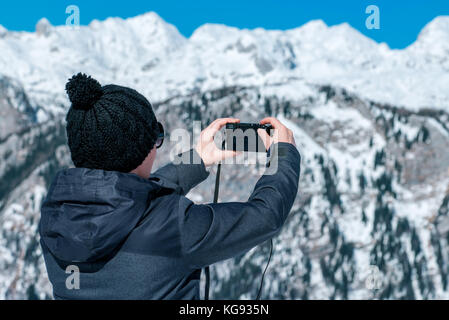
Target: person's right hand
pixel 281 133
pixel 206 147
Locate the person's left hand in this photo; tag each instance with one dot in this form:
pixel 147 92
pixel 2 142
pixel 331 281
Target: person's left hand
pixel 206 147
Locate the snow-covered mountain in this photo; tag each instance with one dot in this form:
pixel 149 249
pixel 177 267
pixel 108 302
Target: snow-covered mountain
pixel 153 56
pixel 371 123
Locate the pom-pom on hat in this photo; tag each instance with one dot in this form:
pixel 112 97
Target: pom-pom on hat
pixel 83 91
pixel 111 128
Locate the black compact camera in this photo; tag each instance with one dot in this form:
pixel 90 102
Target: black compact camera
pixel 244 137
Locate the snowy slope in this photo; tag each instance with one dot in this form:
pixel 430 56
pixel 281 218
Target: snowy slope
pixel 371 123
pixel 151 54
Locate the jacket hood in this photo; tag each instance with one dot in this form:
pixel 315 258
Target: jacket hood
pixel 89 213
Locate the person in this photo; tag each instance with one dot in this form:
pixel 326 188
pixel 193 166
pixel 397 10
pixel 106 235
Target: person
pixel 111 229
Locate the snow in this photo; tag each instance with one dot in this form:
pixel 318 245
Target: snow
pixel 306 145
pixel 3 31
pixel 151 53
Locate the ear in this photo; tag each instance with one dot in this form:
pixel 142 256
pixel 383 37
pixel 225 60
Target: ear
pixel 144 170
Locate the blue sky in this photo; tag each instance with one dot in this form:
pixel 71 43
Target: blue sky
pixel 400 21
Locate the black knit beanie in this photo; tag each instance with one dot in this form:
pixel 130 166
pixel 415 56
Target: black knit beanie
pixel 110 128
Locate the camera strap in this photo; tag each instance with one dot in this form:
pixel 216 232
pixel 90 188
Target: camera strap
pixel 207 269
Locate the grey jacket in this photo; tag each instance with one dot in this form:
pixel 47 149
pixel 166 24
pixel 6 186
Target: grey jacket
pixel 135 238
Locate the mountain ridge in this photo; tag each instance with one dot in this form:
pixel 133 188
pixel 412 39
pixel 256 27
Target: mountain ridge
pixel 152 54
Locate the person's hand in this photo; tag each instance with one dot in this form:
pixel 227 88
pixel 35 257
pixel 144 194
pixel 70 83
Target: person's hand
pixel 206 147
pixel 281 133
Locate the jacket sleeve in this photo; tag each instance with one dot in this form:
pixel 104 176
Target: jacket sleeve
pixel 187 174
pixel 215 232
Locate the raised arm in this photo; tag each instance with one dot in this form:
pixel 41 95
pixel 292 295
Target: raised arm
pixel 214 232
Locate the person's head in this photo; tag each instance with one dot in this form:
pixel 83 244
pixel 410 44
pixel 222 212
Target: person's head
pixel 111 128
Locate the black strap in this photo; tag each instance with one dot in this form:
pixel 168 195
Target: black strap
pixel 217 183
pixel 266 267
pixel 206 286
pixel 207 269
